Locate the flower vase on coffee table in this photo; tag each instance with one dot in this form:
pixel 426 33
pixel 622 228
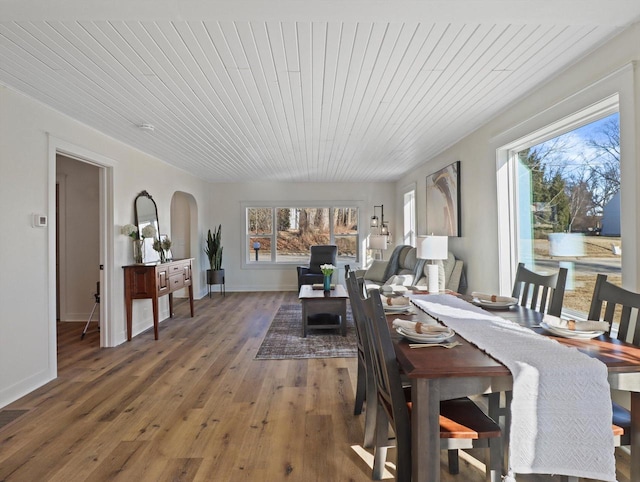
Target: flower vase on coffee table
pixel 327 271
pixel 327 282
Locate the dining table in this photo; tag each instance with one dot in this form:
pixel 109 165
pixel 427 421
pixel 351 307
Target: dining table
pixel 438 374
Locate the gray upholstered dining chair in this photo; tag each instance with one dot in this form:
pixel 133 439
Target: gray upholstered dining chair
pixel 544 293
pixel 463 425
pixel 320 254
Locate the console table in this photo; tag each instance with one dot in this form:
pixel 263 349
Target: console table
pixel 151 281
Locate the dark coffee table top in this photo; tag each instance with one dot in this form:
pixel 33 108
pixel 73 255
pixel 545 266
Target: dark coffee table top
pixel 307 292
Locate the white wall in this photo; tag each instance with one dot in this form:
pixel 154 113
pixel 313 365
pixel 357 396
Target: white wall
pixel 593 78
pixel 27 310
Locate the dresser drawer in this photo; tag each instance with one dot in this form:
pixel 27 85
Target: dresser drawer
pixel 176 282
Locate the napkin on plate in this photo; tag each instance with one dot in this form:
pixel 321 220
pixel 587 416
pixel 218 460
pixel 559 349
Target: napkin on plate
pixel 395 300
pixel 493 298
pixel 418 327
pixel 575 325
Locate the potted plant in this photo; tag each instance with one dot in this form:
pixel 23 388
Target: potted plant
pixel 213 249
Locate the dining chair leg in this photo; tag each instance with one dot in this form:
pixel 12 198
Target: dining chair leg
pixel 360 388
pixel 381 444
pixel 379 460
pixel 370 412
pixel 454 461
pixel 494 464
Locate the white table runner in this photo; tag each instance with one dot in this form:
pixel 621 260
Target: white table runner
pixel 561 407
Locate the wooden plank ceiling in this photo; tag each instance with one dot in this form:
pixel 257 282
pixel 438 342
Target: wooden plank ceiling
pixel 272 98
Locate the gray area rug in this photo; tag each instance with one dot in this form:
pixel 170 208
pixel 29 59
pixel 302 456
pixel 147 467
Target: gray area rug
pixel 284 338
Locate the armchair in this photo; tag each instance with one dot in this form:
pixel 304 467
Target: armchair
pixel 320 254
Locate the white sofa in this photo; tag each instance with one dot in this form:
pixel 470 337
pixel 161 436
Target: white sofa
pixel 404 269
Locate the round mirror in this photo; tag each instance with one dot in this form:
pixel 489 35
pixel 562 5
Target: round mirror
pixel 146 213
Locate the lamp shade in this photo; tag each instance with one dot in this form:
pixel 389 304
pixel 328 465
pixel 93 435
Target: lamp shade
pixel 377 241
pixel 432 247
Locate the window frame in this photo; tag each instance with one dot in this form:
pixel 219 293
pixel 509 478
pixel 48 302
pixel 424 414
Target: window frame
pixel 248 263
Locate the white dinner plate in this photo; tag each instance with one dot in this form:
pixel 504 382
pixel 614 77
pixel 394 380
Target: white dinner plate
pixel 584 335
pixel 425 337
pixel 495 305
pixel 397 307
pixel 571 332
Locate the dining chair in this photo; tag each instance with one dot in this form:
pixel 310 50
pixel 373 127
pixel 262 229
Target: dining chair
pixel 621 306
pixel 463 425
pixel 365 383
pixel 546 291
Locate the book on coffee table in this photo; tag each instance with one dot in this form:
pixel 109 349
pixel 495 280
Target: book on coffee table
pixel 320 286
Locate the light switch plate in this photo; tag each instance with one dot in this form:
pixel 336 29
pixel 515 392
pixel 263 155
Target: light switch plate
pixel 39 220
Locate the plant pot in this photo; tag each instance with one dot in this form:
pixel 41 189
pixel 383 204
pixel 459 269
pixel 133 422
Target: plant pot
pixel 215 276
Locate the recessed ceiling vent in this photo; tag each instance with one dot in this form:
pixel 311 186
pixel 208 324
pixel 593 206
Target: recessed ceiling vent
pixel 147 127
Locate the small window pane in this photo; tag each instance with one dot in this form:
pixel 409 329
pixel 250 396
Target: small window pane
pixel 263 252
pixel 260 220
pixel 298 230
pixel 345 231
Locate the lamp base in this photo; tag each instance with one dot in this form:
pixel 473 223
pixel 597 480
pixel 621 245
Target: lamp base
pixel 432 273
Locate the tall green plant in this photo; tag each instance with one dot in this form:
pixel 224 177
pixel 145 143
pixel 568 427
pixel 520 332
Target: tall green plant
pixel 213 249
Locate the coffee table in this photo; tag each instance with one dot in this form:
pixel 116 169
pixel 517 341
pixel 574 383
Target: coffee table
pixel 315 302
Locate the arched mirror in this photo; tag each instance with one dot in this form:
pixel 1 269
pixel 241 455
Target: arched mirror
pixel 146 213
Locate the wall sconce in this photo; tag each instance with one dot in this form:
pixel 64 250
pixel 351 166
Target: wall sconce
pixel 379 223
pixel 432 248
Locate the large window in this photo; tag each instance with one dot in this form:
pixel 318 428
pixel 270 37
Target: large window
pixel 568 207
pixel 285 234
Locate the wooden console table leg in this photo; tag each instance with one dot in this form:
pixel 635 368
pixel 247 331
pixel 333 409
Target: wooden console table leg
pixel 154 302
pixel 170 305
pixel 191 299
pixel 128 301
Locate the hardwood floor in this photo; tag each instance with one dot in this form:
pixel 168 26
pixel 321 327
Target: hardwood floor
pixel 194 406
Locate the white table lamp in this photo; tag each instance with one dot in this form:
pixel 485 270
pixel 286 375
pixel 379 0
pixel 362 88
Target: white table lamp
pixel 432 248
pixel 378 242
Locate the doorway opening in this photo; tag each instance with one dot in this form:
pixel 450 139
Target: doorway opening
pixel 77 243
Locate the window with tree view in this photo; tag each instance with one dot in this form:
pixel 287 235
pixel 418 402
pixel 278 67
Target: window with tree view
pixel 285 234
pixel 569 207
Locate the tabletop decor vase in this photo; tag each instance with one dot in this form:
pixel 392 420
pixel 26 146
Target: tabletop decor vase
pixel 327 271
pixel 327 282
pixel 138 251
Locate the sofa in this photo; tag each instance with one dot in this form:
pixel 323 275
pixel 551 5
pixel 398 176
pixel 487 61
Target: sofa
pixel 404 269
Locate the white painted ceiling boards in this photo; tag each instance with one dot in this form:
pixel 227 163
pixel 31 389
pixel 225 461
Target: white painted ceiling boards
pixel 294 90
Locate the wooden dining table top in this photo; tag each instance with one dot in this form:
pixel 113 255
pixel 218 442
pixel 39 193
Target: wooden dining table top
pixel 466 360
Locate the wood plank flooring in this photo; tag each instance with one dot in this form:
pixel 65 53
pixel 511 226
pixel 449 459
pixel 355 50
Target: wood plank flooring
pixel 195 406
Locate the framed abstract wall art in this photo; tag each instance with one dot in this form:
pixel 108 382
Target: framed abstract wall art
pixel 443 201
